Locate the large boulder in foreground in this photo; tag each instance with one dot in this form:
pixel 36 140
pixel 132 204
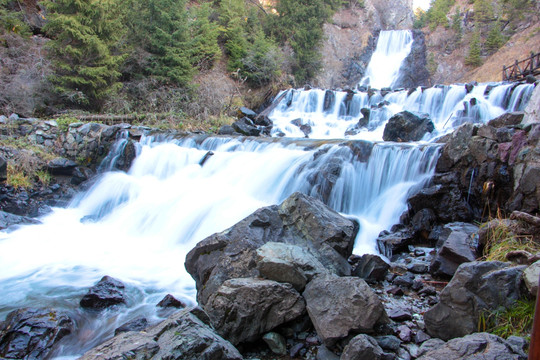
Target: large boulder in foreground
pixel 300 220
pixel 244 309
pixel 475 287
pixel 476 346
pixel 339 306
pixel 407 126
pixel 32 333
pixel 183 336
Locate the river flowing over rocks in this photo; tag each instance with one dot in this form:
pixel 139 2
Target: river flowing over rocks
pixel 335 224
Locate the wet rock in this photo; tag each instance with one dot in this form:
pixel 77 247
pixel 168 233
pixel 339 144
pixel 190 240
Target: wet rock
pixel 475 287
pixel 245 112
pixel 460 241
pixel 171 301
pixel 405 280
pixel 388 342
pixel 106 293
pixel 3 169
pixel 362 347
pixel 8 219
pixel 530 276
pixel 418 267
pixel 407 126
pixel 396 291
pixel 404 333
pixel 133 325
pixel 300 220
pixel 32 333
pixel 288 263
pixel 276 343
pixel 413 72
pixel 371 268
pixel 181 337
pixel 446 202
pixel 295 350
pixel 246 127
pixel 507 119
pixel 324 354
pixel 339 306
pixel 226 130
pixel 396 241
pixel 244 309
pixel 399 314
pixel 421 337
pixel 61 166
pixel 422 222
pixel 475 346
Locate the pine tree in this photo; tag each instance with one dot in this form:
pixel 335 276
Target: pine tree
pixel 262 61
pixel 456 26
pixel 483 10
pixel 473 58
pixel 204 36
pixel 495 39
pixel 12 21
pixel 83 49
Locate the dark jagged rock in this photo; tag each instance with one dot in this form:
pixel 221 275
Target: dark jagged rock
pixel 3 169
pixel 339 306
pixel 182 336
pixel 459 245
pixel 407 126
pixel 371 268
pixel 413 71
pixel 125 160
pixel 445 201
pixel 300 220
pixel 133 325
pixel 475 287
pixel 476 346
pixel 329 99
pixel 7 220
pixel 226 130
pixel 245 112
pixel 244 309
pixel 246 127
pixel 362 347
pixel 171 301
pixel 32 333
pixel 61 166
pixel 107 292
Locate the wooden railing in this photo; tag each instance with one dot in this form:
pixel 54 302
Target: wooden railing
pixel 521 69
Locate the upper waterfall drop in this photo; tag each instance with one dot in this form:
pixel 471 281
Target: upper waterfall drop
pixel 383 69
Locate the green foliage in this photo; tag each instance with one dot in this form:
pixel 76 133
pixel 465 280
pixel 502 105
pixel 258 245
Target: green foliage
pixel 495 38
pixel 515 10
pixel 44 177
pixel 17 178
pixel 204 35
pixel 11 20
pixel 456 26
pixel 85 34
pixel 503 322
pixel 63 122
pixel 438 12
pixel 300 22
pixel 420 19
pixel 500 240
pixel 483 10
pixel 473 58
pixel 261 63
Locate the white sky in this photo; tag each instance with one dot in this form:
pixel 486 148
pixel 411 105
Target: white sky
pixel 424 4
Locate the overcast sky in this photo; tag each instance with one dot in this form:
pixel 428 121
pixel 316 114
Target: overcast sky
pixel 424 4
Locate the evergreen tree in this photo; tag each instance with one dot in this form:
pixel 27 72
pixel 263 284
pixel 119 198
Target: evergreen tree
pixel 495 39
pixel 456 26
pixel 261 64
pixel 168 41
pixel 83 49
pixel 437 13
pixel 12 21
pixel 473 58
pixel 204 36
pixel 483 10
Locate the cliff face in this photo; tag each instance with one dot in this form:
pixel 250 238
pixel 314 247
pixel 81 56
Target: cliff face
pixel 351 38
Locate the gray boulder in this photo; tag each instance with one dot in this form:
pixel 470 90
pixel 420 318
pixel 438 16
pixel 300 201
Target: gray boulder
pixel 182 336
pixel 371 268
pixel 244 309
pixel 476 346
pixel 288 263
pixel 8 219
pixel 61 166
pixel 300 220
pixel 362 347
pixel 459 243
pixel 475 287
pixel 530 277
pixel 3 169
pixel 32 333
pixel 339 306
pixel 246 127
pixel 407 126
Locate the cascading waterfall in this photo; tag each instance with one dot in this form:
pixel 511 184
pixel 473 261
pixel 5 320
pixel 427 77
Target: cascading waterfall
pixel 138 226
pixel 335 114
pixel 383 68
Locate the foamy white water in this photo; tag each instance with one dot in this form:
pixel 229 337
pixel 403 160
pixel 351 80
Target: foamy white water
pixel 335 114
pixel 383 68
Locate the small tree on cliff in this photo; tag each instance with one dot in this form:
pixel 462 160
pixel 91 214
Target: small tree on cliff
pixel 83 49
pixel 473 58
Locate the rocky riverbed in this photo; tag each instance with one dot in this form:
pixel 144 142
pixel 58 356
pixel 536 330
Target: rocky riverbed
pixel 283 282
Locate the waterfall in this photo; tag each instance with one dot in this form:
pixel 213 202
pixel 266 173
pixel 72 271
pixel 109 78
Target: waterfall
pixel 383 68
pixel 138 226
pixel 330 114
